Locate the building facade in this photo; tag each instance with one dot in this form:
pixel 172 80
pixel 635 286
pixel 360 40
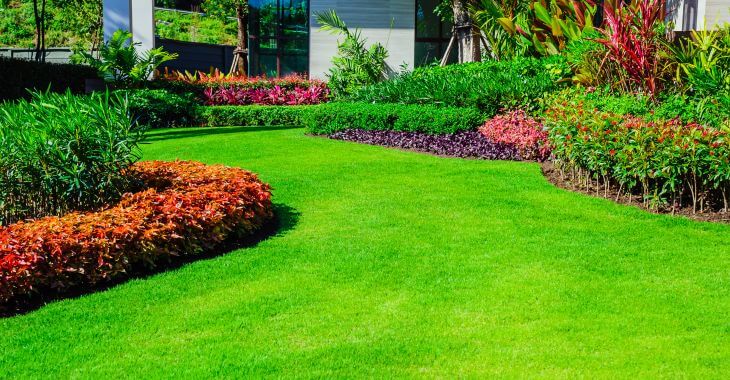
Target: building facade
pixel 698 14
pixel 285 37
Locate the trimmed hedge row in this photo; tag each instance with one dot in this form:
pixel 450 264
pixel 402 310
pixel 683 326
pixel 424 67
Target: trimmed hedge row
pixel 223 116
pixel 161 108
pixel 329 118
pixel 188 209
pixel 20 76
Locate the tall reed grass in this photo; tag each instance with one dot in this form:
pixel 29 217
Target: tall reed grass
pixel 60 152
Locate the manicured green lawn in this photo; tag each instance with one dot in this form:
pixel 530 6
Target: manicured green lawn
pixel 400 264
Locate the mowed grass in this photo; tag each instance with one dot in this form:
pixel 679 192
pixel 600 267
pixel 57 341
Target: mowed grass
pixel 398 264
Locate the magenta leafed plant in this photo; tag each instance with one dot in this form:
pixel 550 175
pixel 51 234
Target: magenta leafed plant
pixel 634 41
pixel 275 96
pixel 520 131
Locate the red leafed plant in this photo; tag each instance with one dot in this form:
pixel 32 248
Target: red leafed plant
pixel 217 78
pixel 521 131
pixel 634 37
pixel 187 209
pixel 275 96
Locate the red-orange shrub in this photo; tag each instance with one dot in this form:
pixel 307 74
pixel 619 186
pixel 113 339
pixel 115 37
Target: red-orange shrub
pixel 188 208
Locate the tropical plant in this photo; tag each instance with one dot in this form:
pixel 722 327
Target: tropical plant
pixel 217 78
pixel 120 63
pixel 703 60
pixel 667 162
pixel 550 25
pixel 355 65
pixel 275 96
pixel 587 59
pixel 635 38
pixel 490 15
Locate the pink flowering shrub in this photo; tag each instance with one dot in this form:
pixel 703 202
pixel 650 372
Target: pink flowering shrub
pixel 274 96
pixel 520 131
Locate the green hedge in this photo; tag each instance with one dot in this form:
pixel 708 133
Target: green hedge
pixel 161 108
pixel 333 117
pixel 221 116
pixel 489 86
pixel 19 76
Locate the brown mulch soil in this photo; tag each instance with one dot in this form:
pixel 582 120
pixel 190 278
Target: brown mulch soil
pixel 553 175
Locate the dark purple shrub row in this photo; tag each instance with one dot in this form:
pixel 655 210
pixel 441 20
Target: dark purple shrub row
pixel 465 144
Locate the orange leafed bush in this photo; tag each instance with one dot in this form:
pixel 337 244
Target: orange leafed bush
pixel 187 208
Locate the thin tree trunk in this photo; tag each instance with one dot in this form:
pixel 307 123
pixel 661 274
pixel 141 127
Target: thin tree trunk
pixel 37 20
pixel 466 34
pixel 240 59
pixel 43 31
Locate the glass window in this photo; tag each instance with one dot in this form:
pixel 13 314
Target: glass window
pixel 428 24
pixel 279 35
pixel 432 34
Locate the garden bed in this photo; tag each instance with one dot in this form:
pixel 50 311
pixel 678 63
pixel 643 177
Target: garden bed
pixel 188 209
pixel 553 175
pixel 464 144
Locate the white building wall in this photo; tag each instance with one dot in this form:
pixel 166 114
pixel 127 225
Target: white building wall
pixel 374 18
pixel 136 16
pixel 717 12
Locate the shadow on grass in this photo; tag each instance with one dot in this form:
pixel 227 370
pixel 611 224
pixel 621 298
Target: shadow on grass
pixel 169 134
pixel 285 220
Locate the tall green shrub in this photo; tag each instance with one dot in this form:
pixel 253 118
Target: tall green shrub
pixel 332 117
pixel 60 152
pixel 489 86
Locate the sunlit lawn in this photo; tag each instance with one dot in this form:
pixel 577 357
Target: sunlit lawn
pixel 400 264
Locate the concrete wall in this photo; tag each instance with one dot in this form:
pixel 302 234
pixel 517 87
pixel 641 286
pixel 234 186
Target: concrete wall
pixel 53 55
pixel 374 18
pixel 717 12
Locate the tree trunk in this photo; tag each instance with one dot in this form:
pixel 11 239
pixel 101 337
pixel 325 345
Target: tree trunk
pixel 43 32
pixel 467 35
pixel 241 53
pixel 37 19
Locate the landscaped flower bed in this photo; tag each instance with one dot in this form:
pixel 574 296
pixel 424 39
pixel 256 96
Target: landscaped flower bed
pixel 219 89
pixel 275 96
pixel 671 165
pixel 465 144
pixel 187 209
